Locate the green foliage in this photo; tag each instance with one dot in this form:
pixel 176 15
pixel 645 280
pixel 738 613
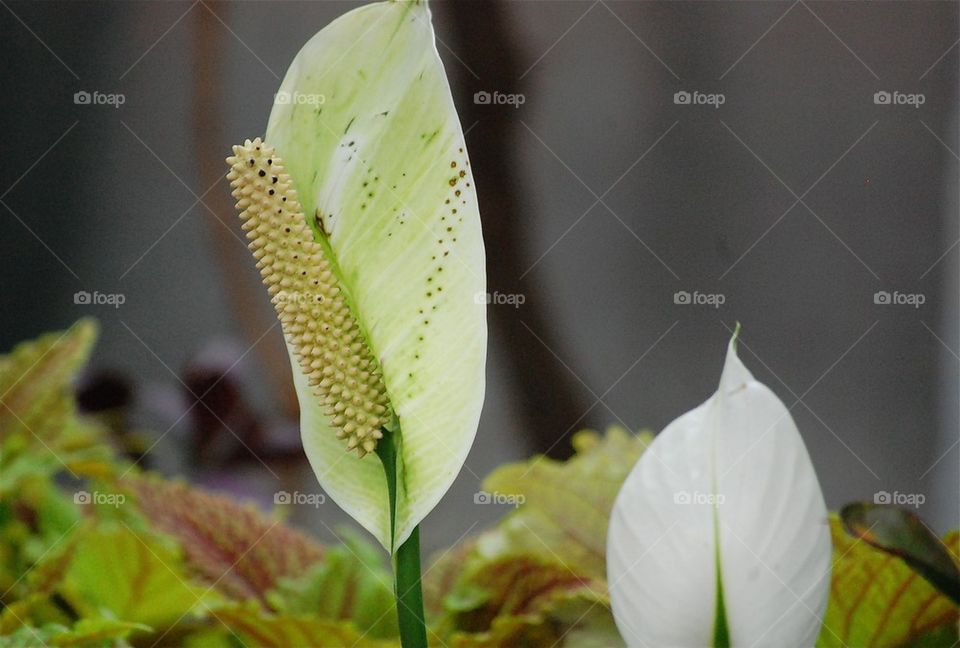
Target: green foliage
pixel 254 626
pixel 567 505
pixel 350 583
pixel 903 534
pixel 174 565
pixel 539 577
pixel 231 546
pixel 164 560
pixel 118 573
pixel 40 433
pixel 520 599
pixel 877 600
pixel 89 633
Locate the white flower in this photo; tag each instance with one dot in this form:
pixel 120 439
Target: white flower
pixel 387 222
pixel 719 535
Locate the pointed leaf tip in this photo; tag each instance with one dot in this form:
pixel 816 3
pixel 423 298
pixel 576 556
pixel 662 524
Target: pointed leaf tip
pixel 735 374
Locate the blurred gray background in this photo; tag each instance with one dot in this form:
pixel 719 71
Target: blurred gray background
pixel 793 202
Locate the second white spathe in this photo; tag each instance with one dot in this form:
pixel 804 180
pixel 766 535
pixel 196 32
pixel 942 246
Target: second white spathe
pixel 725 500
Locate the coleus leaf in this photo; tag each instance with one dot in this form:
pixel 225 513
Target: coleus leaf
pixel 85 633
pixel 520 599
pixel 566 505
pixel 118 573
pixel 878 601
pixel 235 546
pixel 550 550
pixel 40 433
pixel 442 576
pixel 377 157
pixel 350 584
pixel 35 382
pixel 719 535
pixel 257 627
pixel 903 534
pixel 38 533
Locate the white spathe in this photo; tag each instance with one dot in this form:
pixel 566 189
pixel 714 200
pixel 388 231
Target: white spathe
pixel 728 482
pixel 366 126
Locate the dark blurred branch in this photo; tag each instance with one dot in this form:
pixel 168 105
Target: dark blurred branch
pixel 243 293
pixel 551 401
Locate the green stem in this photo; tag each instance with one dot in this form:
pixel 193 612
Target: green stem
pixel 413 630
pixel 406 558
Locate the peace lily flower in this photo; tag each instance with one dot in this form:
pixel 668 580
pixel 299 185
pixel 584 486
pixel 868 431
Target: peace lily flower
pixel 719 535
pixel 361 210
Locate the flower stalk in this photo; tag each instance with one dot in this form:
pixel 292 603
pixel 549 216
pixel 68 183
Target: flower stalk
pixel 406 559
